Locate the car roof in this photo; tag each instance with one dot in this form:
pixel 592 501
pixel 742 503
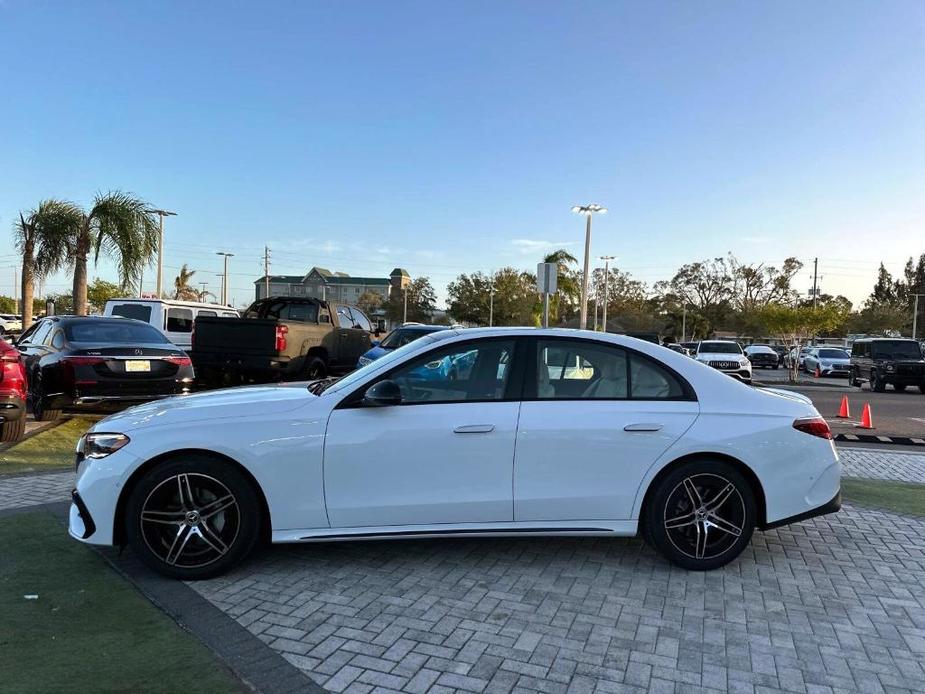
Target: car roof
pixel 421 328
pixel 173 302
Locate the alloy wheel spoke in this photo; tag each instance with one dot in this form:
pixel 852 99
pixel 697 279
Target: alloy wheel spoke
pixel 186 492
pixel 216 506
pixel 680 521
pixel 165 517
pixel 179 544
pixel 692 493
pixel 211 538
pixel 701 545
pixel 724 525
pixel 721 497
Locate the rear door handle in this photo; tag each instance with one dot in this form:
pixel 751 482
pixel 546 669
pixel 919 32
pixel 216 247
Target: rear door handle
pixel 474 429
pixel 642 427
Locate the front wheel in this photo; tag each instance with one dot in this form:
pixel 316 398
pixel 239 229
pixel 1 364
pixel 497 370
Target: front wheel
pixel 13 431
pixel 855 381
pixel 701 516
pixel 192 517
pixel 899 387
pixel 876 383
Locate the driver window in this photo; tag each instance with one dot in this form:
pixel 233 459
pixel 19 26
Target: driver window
pixel 472 372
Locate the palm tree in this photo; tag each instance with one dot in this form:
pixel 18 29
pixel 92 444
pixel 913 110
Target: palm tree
pixel 181 287
pixel 120 224
pixel 43 237
pixel 567 281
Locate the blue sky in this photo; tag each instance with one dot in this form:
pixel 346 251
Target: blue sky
pixel 454 137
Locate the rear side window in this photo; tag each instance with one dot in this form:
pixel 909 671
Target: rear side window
pixel 58 340
pixel 140 312
pixel 179 320
pixel 207 313
pixel 38 337
pixel 360 320
pixel 304 313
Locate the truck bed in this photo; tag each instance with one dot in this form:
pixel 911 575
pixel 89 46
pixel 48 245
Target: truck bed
pixel 235 337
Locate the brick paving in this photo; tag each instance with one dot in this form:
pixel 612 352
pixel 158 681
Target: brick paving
pixel 884 465
pixel 30 490
pixel 832 604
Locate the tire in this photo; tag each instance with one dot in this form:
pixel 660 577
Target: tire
pixel 876 385
pixel 13 431
pixel 39 411
pixel 775 367
pixel 671 499
pixel 315 368
pixel 206 550
pixel 899 387
pixel 853 379
pixel 922 388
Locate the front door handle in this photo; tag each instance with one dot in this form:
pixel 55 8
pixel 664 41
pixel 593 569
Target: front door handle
pixel 643 427
pixel 474 429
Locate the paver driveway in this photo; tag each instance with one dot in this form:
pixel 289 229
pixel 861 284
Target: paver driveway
pixel 833 604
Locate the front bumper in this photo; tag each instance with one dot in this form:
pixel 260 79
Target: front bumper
pixel 12 408
pixel 80 523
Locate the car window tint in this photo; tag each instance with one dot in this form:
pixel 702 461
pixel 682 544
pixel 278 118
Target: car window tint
pixel 208 313
pixel 303 313
pixel 179 320
pixel 137 311
pixel 473 372
pixel 57 340
pixel 114 331
pixel 27 336
pixel 575 369
pixel 38 337
pixel 650 381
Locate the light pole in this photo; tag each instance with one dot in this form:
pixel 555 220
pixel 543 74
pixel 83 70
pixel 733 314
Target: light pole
pixel 221 283
pixel 491 303
pixel 160 246
pixel 587 211
pixel 915 314
pixel 225 280
pixel 606 259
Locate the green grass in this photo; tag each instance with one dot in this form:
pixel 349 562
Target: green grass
pixel 49 450
pixel 901 497
pixel 89 630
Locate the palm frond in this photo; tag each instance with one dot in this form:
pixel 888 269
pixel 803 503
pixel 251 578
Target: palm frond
pixel 122 227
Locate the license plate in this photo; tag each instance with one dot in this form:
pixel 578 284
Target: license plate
pixel 137 365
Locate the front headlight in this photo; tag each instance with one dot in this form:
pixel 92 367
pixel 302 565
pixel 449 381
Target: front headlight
pixel 744 362
pixel 99 445
pixel 433 364
pixel 364 361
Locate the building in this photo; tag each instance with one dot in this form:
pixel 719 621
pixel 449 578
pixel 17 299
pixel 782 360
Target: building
pixel 321 283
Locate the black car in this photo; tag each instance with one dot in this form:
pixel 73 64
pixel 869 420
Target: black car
pixel 95 362
pixel 763 356
pixel 781 352
pixel 883 361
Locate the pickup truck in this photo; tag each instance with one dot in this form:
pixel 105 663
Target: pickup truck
pixel 280 339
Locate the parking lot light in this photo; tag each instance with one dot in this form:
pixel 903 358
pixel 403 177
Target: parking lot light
pixel 588 211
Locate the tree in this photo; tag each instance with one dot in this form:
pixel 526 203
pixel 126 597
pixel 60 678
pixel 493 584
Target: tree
pixel 181 285
pixel 370 302
pixel 42 237
pixel 796 324
pixel 758 285
pixel 704 288
pixel 422 302
pixel 515 301
pixel 628 303
pixel 120 225
pixel 101 291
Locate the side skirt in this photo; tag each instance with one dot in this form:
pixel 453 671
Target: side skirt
pixel 584 528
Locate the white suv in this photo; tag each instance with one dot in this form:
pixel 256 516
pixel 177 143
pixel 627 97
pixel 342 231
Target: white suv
pixel 726 356
pixel 10 323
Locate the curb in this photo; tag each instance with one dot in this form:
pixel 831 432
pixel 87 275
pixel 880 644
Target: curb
pixel 874 438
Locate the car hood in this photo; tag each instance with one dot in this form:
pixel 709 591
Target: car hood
pixel 240 402
pixel 834 360
pixel 376 352
pixel 719 356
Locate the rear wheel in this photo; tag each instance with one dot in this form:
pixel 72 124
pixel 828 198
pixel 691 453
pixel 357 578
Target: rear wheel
pixel 39 409
pixel 701 516
pixel 13 431
pixel 855 381
pixel 315 368
pixel 192 517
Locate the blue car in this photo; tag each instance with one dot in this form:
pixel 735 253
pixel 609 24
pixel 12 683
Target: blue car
pixel 401 337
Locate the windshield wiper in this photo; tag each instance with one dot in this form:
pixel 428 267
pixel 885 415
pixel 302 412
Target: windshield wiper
pixel 322 384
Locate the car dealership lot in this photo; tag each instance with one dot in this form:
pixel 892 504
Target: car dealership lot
pixel 834 602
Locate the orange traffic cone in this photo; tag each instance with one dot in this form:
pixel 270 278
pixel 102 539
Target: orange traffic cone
pixel 866 420
pixel 844 412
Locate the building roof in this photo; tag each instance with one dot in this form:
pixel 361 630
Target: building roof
pixel 284 279
pixel 399 272
pixel 356 280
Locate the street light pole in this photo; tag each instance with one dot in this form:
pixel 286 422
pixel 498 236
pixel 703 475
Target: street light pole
pixel 160 246
pixel 606 259
pixel 221 285
pixel 587 211
pixel 915 314
pixel 225 280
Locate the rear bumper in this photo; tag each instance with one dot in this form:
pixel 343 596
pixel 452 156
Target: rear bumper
pixel 116 395
pixel 831 506
pixel 262 367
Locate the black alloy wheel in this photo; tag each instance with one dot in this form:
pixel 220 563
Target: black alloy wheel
pixel 701 516
pixel 37 401
pixel 192 517
pixel 315 368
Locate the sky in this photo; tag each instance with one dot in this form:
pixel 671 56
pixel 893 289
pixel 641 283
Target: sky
pixel 455 137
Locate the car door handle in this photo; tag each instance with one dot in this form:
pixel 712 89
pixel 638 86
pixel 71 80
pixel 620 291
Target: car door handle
pixel 642 427
pixel 474 429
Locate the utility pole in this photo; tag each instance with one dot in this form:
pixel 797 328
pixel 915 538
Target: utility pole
pixel 266 272
pixel 606 259
pixel 491 303
pixel 815 281
pixel 202 293
pixel 587 211
pixel 915 314
pixel 160 246
pixel 225 280
pixel 404 313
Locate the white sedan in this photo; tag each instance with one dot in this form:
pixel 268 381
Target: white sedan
pixel 546 432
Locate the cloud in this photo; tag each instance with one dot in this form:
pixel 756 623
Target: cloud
pixel 531 246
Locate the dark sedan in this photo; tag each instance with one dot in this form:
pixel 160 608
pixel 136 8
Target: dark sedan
pixel 762 355
pixel 95 362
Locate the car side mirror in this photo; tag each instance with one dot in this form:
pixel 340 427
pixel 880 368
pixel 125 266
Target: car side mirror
pixel 383 394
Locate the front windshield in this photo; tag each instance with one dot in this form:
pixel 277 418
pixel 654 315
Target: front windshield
pixel 833 354
pixel 389 358
pixel 720 348
pixel 764 349
pixel 896 349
